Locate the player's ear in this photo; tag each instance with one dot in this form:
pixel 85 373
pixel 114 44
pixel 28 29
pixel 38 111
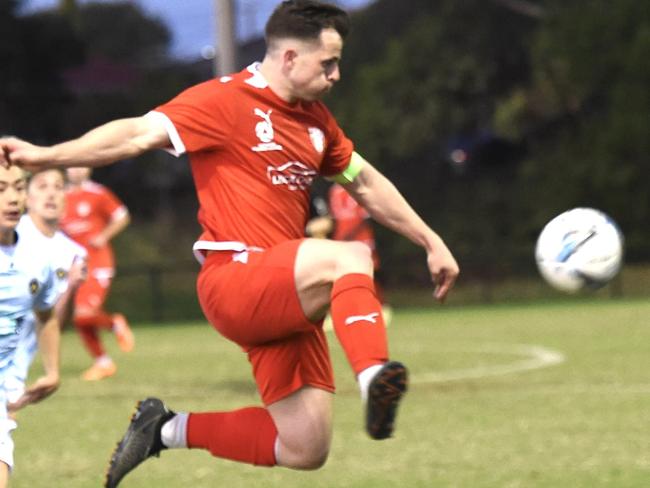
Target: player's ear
pixel 289 58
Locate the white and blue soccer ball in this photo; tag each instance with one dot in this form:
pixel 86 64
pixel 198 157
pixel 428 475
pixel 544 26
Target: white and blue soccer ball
pixel 580 248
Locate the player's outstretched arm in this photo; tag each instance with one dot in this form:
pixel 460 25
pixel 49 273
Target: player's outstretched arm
pixel 64 307
pixel 116 140
pixel 387 206
pixel 49 338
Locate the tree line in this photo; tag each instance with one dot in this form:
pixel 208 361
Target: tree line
pixel 491 116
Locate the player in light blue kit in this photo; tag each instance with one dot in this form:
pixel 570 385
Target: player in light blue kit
pixel 40 226
pixel 26 285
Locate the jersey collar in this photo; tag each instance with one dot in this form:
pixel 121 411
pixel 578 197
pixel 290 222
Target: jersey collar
pixel 257 80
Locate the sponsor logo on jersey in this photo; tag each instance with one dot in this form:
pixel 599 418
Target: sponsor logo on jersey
pixel 265 133
pixel 295 175
pixel 75 227
pixel 317 138
pixel 34 286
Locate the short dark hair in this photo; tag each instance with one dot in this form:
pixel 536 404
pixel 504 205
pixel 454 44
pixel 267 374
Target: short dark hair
pixel 305 19
pixel 61 171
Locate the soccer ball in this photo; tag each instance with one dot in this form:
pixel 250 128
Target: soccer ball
pixel 580 248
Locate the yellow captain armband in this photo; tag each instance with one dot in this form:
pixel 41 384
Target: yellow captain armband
pixel 351 172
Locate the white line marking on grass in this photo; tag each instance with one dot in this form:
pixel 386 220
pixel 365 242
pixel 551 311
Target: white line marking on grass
pixel 535 357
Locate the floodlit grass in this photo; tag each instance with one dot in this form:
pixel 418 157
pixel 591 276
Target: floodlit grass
pixel 582 423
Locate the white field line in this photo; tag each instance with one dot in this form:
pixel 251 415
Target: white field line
pixel 593 389
pixel 534 357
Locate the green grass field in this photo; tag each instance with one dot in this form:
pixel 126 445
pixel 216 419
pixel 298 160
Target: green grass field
pixel 474 417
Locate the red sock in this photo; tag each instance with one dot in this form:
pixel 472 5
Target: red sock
pixel 103 320
pixel 247 435
pixel 100 320
pixel 358 322
pixel 90 339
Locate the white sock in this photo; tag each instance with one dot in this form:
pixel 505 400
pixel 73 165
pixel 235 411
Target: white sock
pixel 104 360
pixel 174 432
pixel 276 450
pixel 365 377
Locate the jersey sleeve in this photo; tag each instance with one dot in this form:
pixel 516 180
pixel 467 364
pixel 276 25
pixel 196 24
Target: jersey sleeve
pixel 339 148
pixel 61 280
pixel 200 118
pixel 49 293
pixel 68 252
pixel 111 205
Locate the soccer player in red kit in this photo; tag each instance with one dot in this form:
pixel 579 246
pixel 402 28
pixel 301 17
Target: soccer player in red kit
pixel 93 216
pixel 256 140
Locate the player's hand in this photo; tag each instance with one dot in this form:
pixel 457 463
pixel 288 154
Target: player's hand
pixel 97 241
pixel 444 270
pixel 16 152
pixel 42 388
pixel 78 273
pixel 319 227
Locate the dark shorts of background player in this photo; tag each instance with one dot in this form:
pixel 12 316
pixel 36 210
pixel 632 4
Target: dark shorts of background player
pixel 255 304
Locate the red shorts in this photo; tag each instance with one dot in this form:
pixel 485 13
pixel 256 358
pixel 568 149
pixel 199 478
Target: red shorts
pixel 255 304
pixel 92 293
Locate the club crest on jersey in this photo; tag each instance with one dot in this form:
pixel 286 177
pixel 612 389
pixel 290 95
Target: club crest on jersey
pixel 61 273
pixel 34 286
pixel 317 138
pixel 83 209
pixel 295 175
pixel 265 133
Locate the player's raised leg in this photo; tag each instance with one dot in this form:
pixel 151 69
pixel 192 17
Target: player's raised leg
pixel 340 274
pixel 290 361
pixel 294 432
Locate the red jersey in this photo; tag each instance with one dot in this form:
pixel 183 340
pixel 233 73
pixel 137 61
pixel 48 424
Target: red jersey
pixel 253 156
pixel 88 210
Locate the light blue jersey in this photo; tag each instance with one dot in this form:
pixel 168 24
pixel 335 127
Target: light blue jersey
pixel 62 252
pixel 26 283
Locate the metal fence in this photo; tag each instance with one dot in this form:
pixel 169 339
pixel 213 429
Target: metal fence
pixel 167 293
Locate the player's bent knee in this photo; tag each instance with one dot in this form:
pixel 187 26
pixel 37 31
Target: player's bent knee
pixel 322 262
pixel 308 450
pixel 311 458
pixel 316 462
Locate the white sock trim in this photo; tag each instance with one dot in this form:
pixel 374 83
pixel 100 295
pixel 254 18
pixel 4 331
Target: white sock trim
pixel 104 360
pixel 276 450
pixel 174 432
pixel 365 377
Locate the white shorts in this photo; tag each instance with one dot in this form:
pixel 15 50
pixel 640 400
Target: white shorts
pixel 6 426
pixel 7 446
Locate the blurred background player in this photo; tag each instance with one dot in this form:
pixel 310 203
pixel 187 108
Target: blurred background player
pixel 320 224
pixel 93 216
pixel 341 218
pixel 353 223
pixel 40 225
pixel 26 285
